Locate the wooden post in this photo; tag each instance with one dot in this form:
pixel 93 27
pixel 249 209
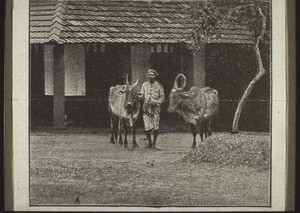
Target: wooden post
pixel 181 57
pixel 59 88
pixel 199 68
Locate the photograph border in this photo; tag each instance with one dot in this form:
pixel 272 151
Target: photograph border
pixel 19 154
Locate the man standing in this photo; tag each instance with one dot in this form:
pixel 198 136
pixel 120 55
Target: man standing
pixel 153 94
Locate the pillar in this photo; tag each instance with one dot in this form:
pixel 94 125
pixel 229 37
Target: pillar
pixel 59 87
pixel 199 68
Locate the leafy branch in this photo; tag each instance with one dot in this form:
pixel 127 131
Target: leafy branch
pixel 210 18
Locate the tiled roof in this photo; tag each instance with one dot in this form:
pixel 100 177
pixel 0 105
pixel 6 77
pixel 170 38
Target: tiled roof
pixel 135 21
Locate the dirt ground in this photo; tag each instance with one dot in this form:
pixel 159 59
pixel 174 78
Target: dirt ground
pixel 79 169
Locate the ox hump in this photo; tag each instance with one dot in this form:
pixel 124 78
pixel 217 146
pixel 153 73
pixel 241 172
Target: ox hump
pixel 117 88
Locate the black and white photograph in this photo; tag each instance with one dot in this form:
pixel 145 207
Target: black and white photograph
pixel 151 104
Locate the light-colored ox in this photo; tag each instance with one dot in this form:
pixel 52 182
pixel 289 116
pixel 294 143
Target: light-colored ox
pixel 124 106
pixel 199 105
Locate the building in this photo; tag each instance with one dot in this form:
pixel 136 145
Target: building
pixel 81 48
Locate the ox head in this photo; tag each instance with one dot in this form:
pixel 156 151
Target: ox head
pixel 174 96
pixel 130 94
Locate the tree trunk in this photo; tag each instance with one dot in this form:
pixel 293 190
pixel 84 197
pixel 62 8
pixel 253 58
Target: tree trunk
pixel 261 72
pixel 245 96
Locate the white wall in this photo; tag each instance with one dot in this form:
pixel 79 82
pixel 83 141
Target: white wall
pixel 48 60
pixel 74 69
pixel 74 58
pixel 140 62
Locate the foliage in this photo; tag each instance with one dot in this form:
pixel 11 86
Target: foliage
pixel 210 17
pixel 207 19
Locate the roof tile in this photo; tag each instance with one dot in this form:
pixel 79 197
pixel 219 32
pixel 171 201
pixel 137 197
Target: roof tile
pixel 118 21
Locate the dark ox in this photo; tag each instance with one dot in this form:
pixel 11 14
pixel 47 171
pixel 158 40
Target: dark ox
pixel 124 107
pixel 199 105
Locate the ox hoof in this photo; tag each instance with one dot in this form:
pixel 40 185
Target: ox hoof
pixel 135 145
pixel 193 146
pixel 156 148
pixel 111 142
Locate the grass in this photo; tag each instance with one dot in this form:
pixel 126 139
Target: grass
pixel 66 167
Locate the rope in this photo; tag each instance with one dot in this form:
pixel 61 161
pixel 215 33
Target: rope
pixel 150 112
pixel 165 101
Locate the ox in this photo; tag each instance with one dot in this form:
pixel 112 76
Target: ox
pixel 199 105
pixel 124 107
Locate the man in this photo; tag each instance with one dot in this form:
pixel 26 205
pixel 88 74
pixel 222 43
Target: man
pixel 153 94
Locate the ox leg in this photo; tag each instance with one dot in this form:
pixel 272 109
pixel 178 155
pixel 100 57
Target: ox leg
pixel 209 127
pixel 112 132
pixel 193 128
pixel 201 130
pixel 134 143
pixel 206 128
pixel 116 133
pixel 112 129
pixel 120 132
pixel 125 137
pixel 120 137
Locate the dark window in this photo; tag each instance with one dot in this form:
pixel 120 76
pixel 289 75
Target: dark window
pixel 37 70
pixel 162 48
pixel 167 63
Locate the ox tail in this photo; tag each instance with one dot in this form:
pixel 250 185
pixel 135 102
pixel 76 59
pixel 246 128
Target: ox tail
pixel 108 107
pixel 109 97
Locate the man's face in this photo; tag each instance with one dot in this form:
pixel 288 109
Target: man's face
pixel 151 76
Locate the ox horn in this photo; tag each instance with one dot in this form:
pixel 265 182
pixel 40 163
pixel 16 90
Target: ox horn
pixel 184 82
pixel 127 82
pixel 136 82
pixel 175 83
